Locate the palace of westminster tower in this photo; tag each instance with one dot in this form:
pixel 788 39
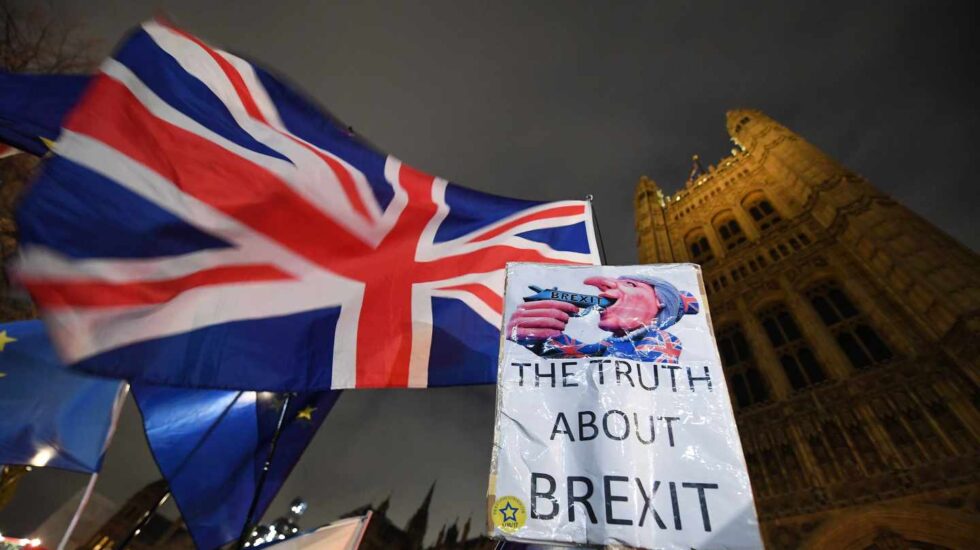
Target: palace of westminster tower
pixel 849 329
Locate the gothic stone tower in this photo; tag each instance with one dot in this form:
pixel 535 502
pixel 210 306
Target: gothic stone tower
pixel 849 328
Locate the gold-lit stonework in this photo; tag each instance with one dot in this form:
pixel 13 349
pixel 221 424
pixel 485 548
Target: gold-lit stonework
pixel 850 331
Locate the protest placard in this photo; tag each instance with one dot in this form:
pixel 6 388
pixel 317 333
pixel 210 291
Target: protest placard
pixel 614 424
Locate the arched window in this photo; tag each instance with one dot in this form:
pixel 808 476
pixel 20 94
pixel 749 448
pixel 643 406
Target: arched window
pixel 744 378
pixel 762 212
pixel 700 250
pixel 730 232
pixel 795 355
pixel 850 328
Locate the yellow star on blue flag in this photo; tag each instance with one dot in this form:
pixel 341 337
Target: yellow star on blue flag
pixel 50 415
pixel 305 413
pixel 4 339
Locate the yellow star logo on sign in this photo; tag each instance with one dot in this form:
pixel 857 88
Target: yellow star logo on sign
pixel 4 339
pixel 306 413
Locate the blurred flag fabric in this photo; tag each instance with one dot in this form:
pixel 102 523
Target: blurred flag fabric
pixel 211 445
pixel 49 415
pixel 8 151
pixel 32 107
pixel 344 534
pixel 203 225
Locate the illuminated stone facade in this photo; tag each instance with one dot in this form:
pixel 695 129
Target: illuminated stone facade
pixel 850 332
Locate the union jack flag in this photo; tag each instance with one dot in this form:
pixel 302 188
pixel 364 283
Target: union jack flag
pixel 201 224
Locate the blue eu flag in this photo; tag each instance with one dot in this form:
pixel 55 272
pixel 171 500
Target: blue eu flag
pixel 32 107
pixel 50 415
pixel 211 445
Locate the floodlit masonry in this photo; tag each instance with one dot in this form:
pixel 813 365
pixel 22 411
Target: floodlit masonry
pixel 848 329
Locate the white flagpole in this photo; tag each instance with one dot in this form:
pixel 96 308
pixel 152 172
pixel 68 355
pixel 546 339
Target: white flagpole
pixel 78 513
pixel 116 409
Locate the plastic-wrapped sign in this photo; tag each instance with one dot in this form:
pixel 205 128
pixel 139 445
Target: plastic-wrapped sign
pixel 614 424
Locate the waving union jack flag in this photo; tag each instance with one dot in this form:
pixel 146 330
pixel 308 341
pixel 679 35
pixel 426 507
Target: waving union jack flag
pixel 201 224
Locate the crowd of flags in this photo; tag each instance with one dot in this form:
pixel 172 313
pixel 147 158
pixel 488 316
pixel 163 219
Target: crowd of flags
pixel 203 236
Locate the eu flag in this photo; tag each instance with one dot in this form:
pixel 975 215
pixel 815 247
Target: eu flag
pixel 32 106
pixel 211 445
pixel 50 415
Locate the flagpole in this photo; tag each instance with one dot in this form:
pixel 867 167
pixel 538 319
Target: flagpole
pixel 117 406
pixel 247 526
pixel 78 512
pixel 598 233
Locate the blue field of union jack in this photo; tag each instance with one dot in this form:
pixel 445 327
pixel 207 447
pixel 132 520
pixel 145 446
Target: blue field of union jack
pixel 201 224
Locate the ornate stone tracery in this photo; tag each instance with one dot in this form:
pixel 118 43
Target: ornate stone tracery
pixel 880 455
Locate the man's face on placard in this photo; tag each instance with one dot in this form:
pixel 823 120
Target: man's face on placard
pixel 636 304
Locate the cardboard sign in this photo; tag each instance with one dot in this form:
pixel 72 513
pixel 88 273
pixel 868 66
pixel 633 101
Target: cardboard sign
pixel 614 424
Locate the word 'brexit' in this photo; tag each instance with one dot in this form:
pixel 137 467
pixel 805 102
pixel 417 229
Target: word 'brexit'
pixel 620 496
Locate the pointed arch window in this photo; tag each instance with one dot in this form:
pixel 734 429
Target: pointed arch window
pixel 859 341
pixel 747 384
pixel 730 232
pixel 699 248
pixel 794 352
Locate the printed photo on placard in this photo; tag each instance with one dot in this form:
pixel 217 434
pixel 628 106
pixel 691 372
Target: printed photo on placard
pixel 614 424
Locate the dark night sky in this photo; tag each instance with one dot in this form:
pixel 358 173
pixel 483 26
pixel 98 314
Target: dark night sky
pixel 558 100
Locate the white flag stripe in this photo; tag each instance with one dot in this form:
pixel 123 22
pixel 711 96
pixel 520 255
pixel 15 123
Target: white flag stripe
pixel 345 341
pixel 344 374
pixel 400 199
pixel 139 179
pixel 429 250
pixel 444 250
pixel 259 93
pixel 418 364
pixel 166 112
pixel 271 114
pixel 306 174
pixel 474 302
pixel 493 280
pixel 422 294
pixel 594 257
pixel 490 228
pixel 83 332
pixel 310 176
pixel 47 264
